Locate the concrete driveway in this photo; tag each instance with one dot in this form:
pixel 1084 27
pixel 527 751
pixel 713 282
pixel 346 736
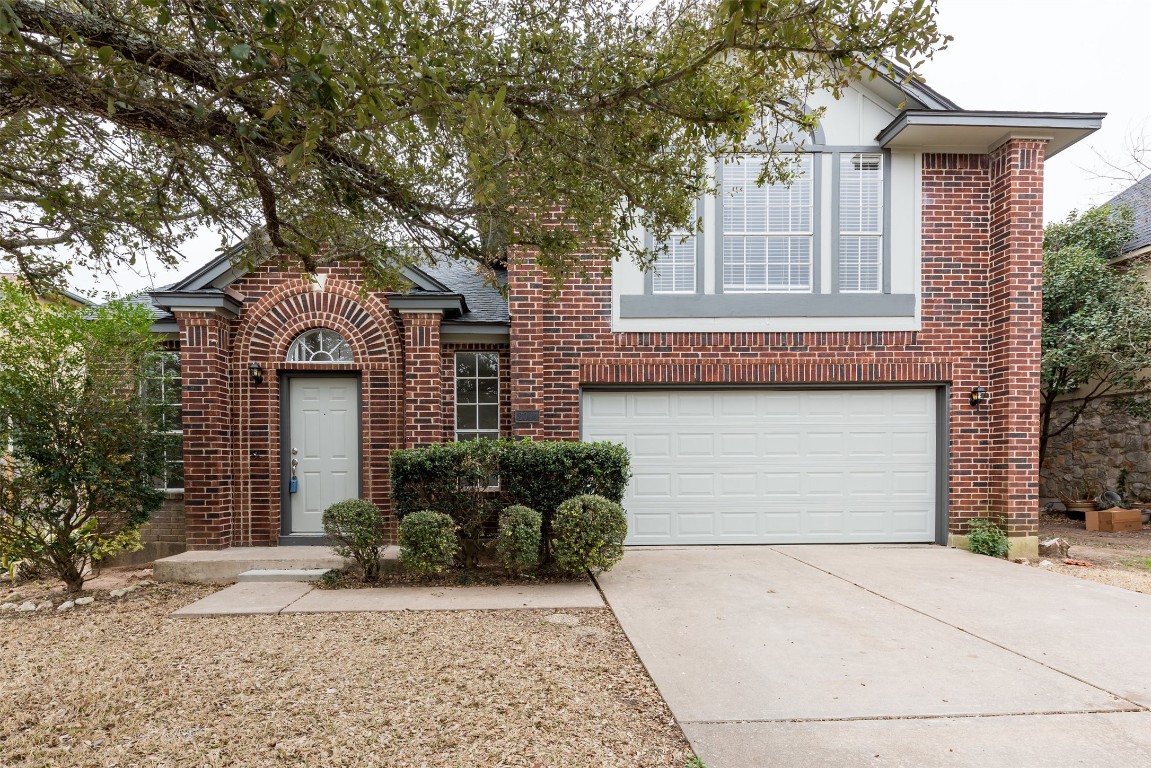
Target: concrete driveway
pixel 888 656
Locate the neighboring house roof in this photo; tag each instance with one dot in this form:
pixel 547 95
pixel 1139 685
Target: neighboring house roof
pixel 1137 197
pixel 64 293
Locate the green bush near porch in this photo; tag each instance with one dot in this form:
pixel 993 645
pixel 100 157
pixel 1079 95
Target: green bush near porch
pixel 472 481
pixel 483 476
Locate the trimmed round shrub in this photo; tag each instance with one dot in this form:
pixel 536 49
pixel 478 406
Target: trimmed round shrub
pixel 356 529
pixel 518 541
pixel 428 541
pixel 985 537
pixel 588 533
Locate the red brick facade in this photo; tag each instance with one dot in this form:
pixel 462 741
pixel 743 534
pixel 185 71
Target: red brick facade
pixel 982 256
pixel 981 259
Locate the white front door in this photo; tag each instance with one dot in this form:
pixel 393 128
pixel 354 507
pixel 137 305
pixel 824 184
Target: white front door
pixel 323 451
pixel 774 466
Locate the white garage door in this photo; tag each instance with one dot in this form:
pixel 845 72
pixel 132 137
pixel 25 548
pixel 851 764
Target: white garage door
pixel 773 466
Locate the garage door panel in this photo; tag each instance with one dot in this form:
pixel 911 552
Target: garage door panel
pixel 694 445
pixel 735 445
pixel 742 466
pixel 651 446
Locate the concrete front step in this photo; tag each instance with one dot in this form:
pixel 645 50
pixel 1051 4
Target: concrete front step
pixel 224 566
pixel 282 574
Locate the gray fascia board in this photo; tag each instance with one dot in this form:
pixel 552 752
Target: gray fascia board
pixel 465 327
pixel 768 305
pixel 422 280
pixel 206 275
pixel 1081 121
pixel 196 301
pixel 452 303
pixel 166 326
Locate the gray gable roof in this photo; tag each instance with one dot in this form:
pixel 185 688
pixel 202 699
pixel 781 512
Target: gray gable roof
pixel 482 303
pixel 485 302
pixel 1137 197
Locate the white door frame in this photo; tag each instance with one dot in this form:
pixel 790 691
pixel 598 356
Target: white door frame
pixel 285 381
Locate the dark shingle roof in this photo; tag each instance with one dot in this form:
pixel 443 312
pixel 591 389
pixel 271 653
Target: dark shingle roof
pixel 1137 197
pixel 485 303
pixel 161 315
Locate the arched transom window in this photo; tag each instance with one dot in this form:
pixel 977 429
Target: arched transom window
pixel 320 345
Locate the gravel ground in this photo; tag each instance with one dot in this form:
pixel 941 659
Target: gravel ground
pixel 119 683
pixel 1119 559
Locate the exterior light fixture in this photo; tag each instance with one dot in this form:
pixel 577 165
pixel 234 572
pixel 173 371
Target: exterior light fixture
pixel 256 372
pixel 979 397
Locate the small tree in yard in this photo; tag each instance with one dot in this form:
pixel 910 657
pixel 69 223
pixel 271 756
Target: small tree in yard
pixel 1096 322
pixel 81 446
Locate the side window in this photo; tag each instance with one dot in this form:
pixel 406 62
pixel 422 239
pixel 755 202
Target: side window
pixel 161 389
pixel 674 270
pixel 860 222
pixel 477 395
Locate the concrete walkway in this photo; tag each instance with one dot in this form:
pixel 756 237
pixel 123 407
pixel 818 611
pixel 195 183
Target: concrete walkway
pixel 249 598
pixel 908 656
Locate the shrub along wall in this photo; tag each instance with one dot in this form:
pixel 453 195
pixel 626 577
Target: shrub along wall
pixel 471 481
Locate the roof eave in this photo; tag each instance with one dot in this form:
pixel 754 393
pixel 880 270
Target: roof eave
pixel 980 131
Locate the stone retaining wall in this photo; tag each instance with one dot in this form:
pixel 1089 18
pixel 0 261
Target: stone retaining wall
pixel 1100 445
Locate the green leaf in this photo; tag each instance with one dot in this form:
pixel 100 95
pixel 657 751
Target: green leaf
pixel 104 54
pixel 240 51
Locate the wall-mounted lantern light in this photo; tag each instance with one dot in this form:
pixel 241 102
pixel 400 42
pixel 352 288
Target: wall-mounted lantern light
pixel 256 373
pixel 979 397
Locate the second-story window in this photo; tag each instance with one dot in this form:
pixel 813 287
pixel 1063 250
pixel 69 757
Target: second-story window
pixel 860 222
pixel 674 269
pixel 768 231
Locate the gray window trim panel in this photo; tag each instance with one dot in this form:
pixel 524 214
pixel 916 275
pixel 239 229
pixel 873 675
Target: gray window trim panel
pixel 885 237
pixel 816 222
pixel 836 173
pixel 886 251
pixel 768 305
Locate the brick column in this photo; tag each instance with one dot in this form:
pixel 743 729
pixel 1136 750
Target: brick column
pixel 423 379
pixel 526 300
pixel 1015 306
pixel 207 417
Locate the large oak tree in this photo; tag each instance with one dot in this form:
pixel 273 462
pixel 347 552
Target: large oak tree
pixel 390 130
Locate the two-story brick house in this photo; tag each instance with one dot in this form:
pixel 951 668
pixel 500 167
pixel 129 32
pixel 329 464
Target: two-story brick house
pixel 801 370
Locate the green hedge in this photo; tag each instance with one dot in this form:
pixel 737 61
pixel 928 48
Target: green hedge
pixel 456 478
pixel 589 533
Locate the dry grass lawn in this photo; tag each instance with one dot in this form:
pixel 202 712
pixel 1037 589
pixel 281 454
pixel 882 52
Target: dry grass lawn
pixel 1119 559
pixel 119 683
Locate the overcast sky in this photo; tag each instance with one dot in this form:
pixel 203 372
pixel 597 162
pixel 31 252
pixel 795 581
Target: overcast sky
pixel 1029 55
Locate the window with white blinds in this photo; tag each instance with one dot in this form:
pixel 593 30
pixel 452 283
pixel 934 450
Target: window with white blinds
pixel 767 231
pixel 674 269
pixel 860 222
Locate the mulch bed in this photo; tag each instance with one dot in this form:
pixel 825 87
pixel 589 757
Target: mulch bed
pixel 121 683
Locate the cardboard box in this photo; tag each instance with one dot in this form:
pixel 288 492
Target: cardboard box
pixel 1115 520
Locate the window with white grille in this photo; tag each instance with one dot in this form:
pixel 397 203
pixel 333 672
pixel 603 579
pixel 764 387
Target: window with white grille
pixel 477 395
pixel 860 222
pixel 674 269
pixel 767 231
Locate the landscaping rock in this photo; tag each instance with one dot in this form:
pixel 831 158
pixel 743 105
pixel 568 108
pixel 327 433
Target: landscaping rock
pixel 1045 563
pixel 118 592
pixel 28 606
pixel 563 618
pixel 67 605
pixel 7 606
pixel 1055 547
pixel 44 606
pixel 85 600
